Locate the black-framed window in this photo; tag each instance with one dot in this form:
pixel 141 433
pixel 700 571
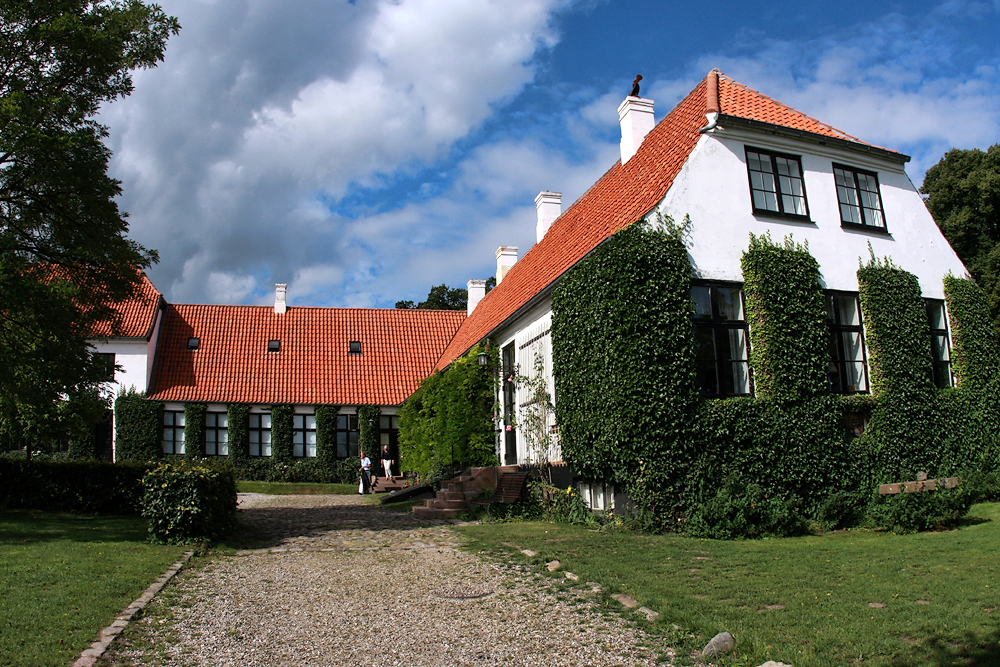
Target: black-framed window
pixel 721 343
pixel 776 184
pixel 216 434
pixel 858 195
pixel 354 347
pixel 848 369
pixel 940 344
pixel 388 434
pixel 260 435
pixel 348 435
pixel 304 436
pixel 173 431
pixel 106 362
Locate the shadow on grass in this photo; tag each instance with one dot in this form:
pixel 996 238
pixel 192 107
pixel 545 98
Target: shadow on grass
pixel 34 526
pixel 971 649
pixel 266 527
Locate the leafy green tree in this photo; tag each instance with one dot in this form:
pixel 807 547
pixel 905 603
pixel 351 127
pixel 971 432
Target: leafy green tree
pixel 441 297
pixel 963 195
pixel 64 253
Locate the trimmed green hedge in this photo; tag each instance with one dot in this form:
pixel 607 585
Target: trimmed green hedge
pixel 187 501
pixel 786 311
pixel 451 412
pixel 368 424
pixel 194 429
pixel 975 353
pixel 138 424
pixel 281 434
pixel 326 434
pixel 238 415
pixel 623 358
pixel 89 487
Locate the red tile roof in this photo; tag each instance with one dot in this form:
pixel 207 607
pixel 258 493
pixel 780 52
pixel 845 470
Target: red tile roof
pixel 624 195
pixel 137 314
pixel 232 364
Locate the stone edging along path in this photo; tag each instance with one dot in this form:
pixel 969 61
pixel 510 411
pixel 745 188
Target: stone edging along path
pixel 90 656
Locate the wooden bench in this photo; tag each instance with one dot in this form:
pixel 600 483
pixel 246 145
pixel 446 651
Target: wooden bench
pixel 509 489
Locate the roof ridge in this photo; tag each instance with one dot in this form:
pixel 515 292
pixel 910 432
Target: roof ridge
pixel 268 307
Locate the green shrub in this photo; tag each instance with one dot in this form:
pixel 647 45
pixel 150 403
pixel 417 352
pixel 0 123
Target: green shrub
pixel 842 509
pixel 281 433
pixel 739 511
pixel 368 426
pixel 786 310
pixel 975 352
pixel 326 434
pixel 913 512
pixel 239 434
pixel 449 419
pixel 186 501
pixel 138 424
pixel 623 359
pixel 194 430
pixel 89 487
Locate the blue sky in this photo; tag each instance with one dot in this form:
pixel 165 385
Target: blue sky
pixel 364 151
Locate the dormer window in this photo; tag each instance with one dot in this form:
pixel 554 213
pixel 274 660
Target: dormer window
pixel 776 185
pixel 354 347
pixel 860 203
pixel 193 343
pixel 274 346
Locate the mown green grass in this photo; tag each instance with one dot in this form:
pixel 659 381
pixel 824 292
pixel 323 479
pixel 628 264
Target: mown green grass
pixel 63 577
pixel 289 488
pixel 940 591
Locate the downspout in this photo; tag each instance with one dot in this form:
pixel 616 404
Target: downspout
pixel 711 101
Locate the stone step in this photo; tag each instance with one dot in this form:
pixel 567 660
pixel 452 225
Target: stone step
pixel 450 495
pixel 447 504
pixel 435 513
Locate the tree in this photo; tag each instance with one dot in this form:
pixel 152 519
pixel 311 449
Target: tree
pixel 64 254
pixel 443 297
pixel 963 195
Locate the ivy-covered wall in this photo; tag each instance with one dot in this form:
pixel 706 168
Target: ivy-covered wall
pixel 238 415
pixel 449 419
pixel 368 425
pixel 326 434
pixel 194 429
pixel 281 433
pixel 138 424
pixel 975 352
pixel 623 361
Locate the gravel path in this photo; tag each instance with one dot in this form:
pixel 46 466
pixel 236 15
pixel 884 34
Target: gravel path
pixel 335 581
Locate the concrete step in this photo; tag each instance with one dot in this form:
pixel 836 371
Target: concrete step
pixel 435 513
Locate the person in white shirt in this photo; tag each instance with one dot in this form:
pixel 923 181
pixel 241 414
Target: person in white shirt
pixel 365 485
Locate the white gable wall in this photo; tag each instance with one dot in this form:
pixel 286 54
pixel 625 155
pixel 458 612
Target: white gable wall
pixel 713 188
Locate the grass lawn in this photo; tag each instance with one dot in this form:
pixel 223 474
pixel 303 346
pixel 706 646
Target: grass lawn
pixel 841 598
pixel 287 488
pixel 63 577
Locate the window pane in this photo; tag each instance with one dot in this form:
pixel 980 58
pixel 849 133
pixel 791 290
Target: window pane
pixel 847 310
pixel 352 438
pixel 704 341
pixel 353 421
pixel 310 437
pixel 254 448
pixel 267 449
pixel 383 438
pixel 702 297
pixel 223 420
pixel 265 437
pixel 385 423
pixel 179 435
pixel 311 422
pixel 935 314
pixel 853 350
pixel 168 435
pixel 168 447
pixel 395 423
pixel 254 437
pixel 833 371
pixel 730 303
pixel 223 449
pixel 209 420
pixel 298 451
pixel 222 436
pixel 265 421
pixel 254 421
pixel 342 438
pixel 706 381
pixel 298 421
pixel 354 450
pixel 738 380
pixel 311 451
pixel 210 449
pixel 939 348
pixel 298 437
pixel 855 377
pixel 342 422
pixel 737 348
pixel 179 448
pixel 168 418
pixel 179 419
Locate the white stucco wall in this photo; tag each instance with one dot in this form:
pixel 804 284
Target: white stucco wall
pixel 713 189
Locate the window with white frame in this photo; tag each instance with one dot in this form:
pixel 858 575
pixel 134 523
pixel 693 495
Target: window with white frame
pixel 776 184
pixel 940 345
pixel 173 431
pixel 848 370
pixel 304 436
pixel 260 435
pixel 216 434
pixel 858 196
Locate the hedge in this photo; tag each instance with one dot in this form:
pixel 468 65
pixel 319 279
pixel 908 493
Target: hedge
pixel 187 501
pixel 368 424
pixel 138 424
pixel 89 487
pixel 623 359
pixel 975 352
pixel 194 429
pixel 281 434
pixel 326 434
pixel 449 420
pixel 238 415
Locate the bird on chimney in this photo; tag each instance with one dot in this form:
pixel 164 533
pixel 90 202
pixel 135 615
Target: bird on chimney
pixel 635 86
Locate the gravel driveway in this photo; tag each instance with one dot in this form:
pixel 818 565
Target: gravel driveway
pixel 337 581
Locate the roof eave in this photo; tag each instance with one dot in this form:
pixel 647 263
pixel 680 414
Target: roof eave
pixel 812 137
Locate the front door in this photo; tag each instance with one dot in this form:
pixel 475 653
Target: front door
pixel 509 402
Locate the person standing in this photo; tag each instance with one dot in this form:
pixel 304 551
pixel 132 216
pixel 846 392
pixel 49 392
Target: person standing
pixel 387 462
pixel 365 486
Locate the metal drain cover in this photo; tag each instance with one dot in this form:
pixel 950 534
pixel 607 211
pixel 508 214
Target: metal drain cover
pixel 462 593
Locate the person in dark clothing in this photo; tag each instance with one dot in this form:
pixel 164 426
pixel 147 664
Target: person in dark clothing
pixel 386 462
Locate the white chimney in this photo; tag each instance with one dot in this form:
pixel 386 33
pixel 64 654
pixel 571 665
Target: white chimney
pixel 506 258
pixel 279 298
pixel 548 207
pixel 636 116
pixel 477 290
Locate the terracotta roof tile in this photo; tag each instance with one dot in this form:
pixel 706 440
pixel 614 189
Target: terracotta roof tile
pixel 621 197
pixel 232 364
pixel 137 314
